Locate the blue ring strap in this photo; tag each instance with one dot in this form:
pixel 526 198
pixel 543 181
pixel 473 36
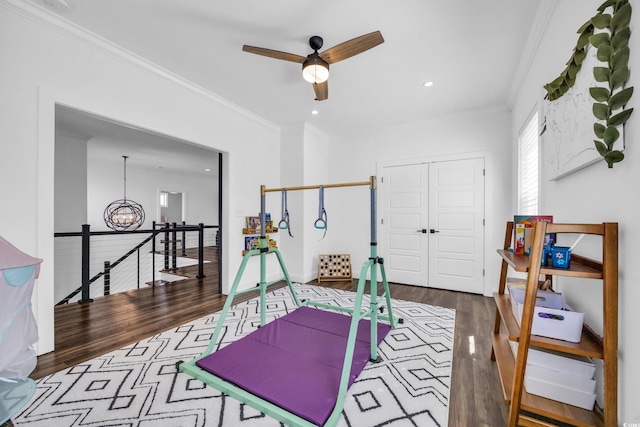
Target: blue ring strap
pixel 321 222
pixel 284 222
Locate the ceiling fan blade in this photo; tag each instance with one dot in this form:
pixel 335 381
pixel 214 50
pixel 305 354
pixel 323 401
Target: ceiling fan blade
pixel 274 54
pixel 352 47
pixel 321 90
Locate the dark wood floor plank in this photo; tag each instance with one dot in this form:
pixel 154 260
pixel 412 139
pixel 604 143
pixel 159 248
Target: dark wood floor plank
pixel 85 331
pixel 485 397
pixel 462 410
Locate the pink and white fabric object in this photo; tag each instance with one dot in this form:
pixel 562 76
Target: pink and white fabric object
pixel 18 329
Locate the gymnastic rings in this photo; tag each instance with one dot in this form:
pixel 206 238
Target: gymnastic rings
pixel 321 222
pixel 284 222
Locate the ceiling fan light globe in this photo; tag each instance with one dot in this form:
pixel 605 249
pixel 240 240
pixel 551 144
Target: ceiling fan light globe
pixel 315 70
pixel 315 74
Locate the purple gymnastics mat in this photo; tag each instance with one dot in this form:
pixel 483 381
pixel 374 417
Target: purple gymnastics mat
pixel 295 362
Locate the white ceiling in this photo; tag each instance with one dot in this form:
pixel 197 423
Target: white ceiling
pixel 111 140
pixel 473 50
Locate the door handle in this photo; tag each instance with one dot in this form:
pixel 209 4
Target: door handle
pixel 433 231
pixel 422 230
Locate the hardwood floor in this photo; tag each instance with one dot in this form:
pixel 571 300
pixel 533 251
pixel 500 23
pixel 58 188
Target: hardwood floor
pixel 84 331
pixel 476 397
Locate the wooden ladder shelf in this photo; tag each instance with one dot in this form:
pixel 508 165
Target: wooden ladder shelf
pixel 506 328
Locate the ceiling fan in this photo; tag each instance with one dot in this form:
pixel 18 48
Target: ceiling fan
pixel 315 66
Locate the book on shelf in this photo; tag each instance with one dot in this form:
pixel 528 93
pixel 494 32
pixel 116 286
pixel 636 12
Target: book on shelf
pixel 253 222
pixel 523 232
pixel 250 242
pixel 253 242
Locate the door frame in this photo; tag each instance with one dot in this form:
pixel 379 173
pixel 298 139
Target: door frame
pixel 488 195
pixel 183 207
pixel 43 300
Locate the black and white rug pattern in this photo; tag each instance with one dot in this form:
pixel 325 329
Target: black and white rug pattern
pixel 139 386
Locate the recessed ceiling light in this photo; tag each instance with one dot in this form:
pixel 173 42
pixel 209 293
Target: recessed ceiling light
pixel 314 112
pixel 428 84
pixel 207 170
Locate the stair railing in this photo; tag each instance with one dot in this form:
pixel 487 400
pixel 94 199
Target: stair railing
pixel 170 254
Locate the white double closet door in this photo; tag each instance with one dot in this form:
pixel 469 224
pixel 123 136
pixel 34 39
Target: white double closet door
pixel 432 224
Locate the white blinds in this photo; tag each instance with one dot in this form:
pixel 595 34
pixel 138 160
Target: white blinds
pixel 528 168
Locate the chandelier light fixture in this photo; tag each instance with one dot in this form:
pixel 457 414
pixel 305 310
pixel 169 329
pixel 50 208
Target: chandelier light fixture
pixel 123 214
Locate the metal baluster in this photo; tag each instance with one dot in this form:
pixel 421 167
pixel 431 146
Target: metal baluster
pixel 166 245
pixel 184 240
pixel 107 278
pixel 153 257
pixel 85 264
pixel 201 251
pixel 174 262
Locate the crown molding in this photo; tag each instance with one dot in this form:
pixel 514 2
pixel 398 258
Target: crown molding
pixel 51 20
pixel 313 129
pixel 539 26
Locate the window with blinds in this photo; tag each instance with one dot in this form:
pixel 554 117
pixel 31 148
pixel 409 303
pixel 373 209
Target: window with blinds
pixel 528 167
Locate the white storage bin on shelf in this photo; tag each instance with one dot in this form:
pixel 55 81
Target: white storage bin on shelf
pixel 552 317
pixel 559 393
pixel 568 364
pixel 564 378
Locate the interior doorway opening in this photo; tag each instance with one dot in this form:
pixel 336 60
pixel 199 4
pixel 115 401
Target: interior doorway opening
pixel 171 205
pixel 88 148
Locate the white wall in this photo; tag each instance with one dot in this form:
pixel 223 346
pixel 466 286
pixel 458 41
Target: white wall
pixel 354 158
pixel 315 162
pixel 304 158
pixel 86 182
pixel 595 194
pixel 70 182
pixel 292 174
pixel 105 185
pixel 53 62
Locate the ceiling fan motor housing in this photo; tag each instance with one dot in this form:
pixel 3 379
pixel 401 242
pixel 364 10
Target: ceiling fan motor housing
pixel 316 42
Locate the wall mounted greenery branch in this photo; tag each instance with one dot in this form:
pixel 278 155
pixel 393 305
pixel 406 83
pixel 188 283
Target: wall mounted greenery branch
pixel 610 96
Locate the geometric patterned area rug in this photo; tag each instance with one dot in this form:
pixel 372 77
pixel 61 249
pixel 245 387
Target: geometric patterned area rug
pixel 139 385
